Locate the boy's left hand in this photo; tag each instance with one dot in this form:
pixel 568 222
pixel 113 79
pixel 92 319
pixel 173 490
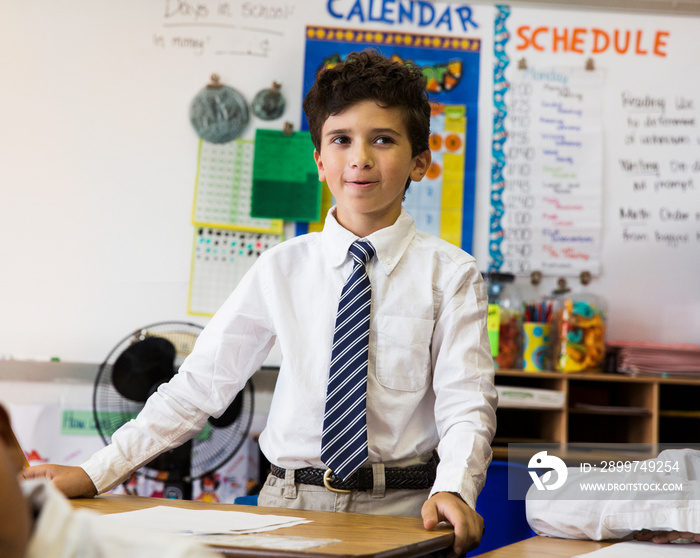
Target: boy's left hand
pixel 468 525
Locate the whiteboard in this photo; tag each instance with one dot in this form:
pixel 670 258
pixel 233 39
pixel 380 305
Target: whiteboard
pixel 99 158
pixel 650 239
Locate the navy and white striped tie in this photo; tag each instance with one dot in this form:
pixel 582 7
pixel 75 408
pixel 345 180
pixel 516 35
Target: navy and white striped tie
pixel 344 439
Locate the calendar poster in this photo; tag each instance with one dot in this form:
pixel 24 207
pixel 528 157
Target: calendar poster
pixel 443 203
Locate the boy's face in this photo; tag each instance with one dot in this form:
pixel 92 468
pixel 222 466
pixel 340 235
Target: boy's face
pixel 365 157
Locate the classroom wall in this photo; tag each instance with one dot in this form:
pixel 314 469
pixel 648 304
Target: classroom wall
pixel 99 158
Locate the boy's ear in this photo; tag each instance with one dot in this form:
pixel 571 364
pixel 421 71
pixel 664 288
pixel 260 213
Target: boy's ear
pixel 421 164
pixel 319 164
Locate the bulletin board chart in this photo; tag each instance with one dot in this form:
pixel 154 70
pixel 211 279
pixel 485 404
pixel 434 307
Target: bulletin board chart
pixel 220 258
pixel 547 188
pixel 436 202
pixel 451 68
pixel 223 188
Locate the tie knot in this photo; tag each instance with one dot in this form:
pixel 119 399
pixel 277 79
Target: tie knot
pixel 361 251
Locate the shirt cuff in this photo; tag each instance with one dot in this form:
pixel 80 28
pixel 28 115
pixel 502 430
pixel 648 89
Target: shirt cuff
pixel 106 469
pixel 458 480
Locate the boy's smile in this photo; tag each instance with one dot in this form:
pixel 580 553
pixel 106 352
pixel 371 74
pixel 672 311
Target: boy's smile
pixel 365 157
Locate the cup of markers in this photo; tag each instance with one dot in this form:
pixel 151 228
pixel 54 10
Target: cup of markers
pixel 537 316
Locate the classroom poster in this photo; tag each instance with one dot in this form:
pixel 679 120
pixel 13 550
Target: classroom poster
pixel 285 177
pixel 223 188
pixel 220 259
pixel 443 203
pixel 547 165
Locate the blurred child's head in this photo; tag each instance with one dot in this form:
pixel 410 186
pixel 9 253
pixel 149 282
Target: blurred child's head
pixel 365 76
pixel 15 521
pixel 7 438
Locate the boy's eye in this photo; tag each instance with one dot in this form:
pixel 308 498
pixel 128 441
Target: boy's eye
pixel 340 139
pixel 385 139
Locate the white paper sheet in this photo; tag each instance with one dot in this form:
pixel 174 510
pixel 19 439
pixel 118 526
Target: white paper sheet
pixel 547 205
pixel 201 522
pixel 637 549
pixel 277 542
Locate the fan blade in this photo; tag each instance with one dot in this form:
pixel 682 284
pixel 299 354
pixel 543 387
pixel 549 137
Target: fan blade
pixel 230 415
pixel 142 367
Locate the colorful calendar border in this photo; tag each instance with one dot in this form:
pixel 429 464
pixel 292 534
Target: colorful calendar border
pixel 499 137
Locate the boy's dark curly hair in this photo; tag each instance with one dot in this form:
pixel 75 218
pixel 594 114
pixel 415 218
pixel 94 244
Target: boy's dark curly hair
pixel 369 75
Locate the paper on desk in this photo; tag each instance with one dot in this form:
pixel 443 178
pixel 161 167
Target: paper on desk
pixel 638 549
pixel 277 542
pixel 200 522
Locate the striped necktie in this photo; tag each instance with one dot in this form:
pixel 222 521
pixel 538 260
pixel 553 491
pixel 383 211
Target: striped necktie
pixel 344 439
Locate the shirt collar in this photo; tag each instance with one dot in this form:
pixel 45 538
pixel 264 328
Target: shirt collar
pixel 390 242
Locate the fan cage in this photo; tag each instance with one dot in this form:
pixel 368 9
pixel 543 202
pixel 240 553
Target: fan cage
pixel 212 447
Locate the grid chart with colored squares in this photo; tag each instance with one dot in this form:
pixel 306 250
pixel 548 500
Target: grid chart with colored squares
pixel 223 188
pixel 220 258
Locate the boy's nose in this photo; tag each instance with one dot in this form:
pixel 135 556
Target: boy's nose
pixel 361 156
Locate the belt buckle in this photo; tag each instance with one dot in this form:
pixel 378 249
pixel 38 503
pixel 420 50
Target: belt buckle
pixel 327 483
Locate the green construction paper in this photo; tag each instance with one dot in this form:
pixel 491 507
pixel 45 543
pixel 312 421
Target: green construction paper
pixel 285 177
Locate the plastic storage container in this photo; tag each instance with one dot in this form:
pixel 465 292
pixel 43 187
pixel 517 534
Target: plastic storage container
pixel 505 320
pixel 578 332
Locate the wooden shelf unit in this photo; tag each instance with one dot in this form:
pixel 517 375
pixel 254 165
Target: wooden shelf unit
pixel 601 408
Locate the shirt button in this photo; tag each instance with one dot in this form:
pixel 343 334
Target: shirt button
pixel 387 261
pixel 661 516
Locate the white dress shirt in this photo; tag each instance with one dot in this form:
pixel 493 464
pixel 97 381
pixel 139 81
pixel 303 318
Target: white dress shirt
pixel 62 532
pixel 430 378
pixel 568 513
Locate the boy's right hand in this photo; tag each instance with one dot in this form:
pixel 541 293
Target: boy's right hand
pixel 74 482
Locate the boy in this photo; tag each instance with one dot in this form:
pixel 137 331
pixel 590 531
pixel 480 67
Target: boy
pixel 37 521
pixel 423 369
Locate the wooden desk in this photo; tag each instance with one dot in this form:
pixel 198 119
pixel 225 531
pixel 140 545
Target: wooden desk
pixel 545 547
pixel 360 535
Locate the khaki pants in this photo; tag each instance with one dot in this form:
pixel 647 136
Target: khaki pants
pixel 285 493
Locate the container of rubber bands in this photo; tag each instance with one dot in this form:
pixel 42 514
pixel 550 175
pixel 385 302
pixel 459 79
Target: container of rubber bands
pixel 505 320
pixel 578 332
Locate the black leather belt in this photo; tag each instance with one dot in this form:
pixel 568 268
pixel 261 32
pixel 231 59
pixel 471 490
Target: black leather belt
pixel 419 477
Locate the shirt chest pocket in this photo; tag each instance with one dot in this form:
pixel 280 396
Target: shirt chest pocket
pixel 402 357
